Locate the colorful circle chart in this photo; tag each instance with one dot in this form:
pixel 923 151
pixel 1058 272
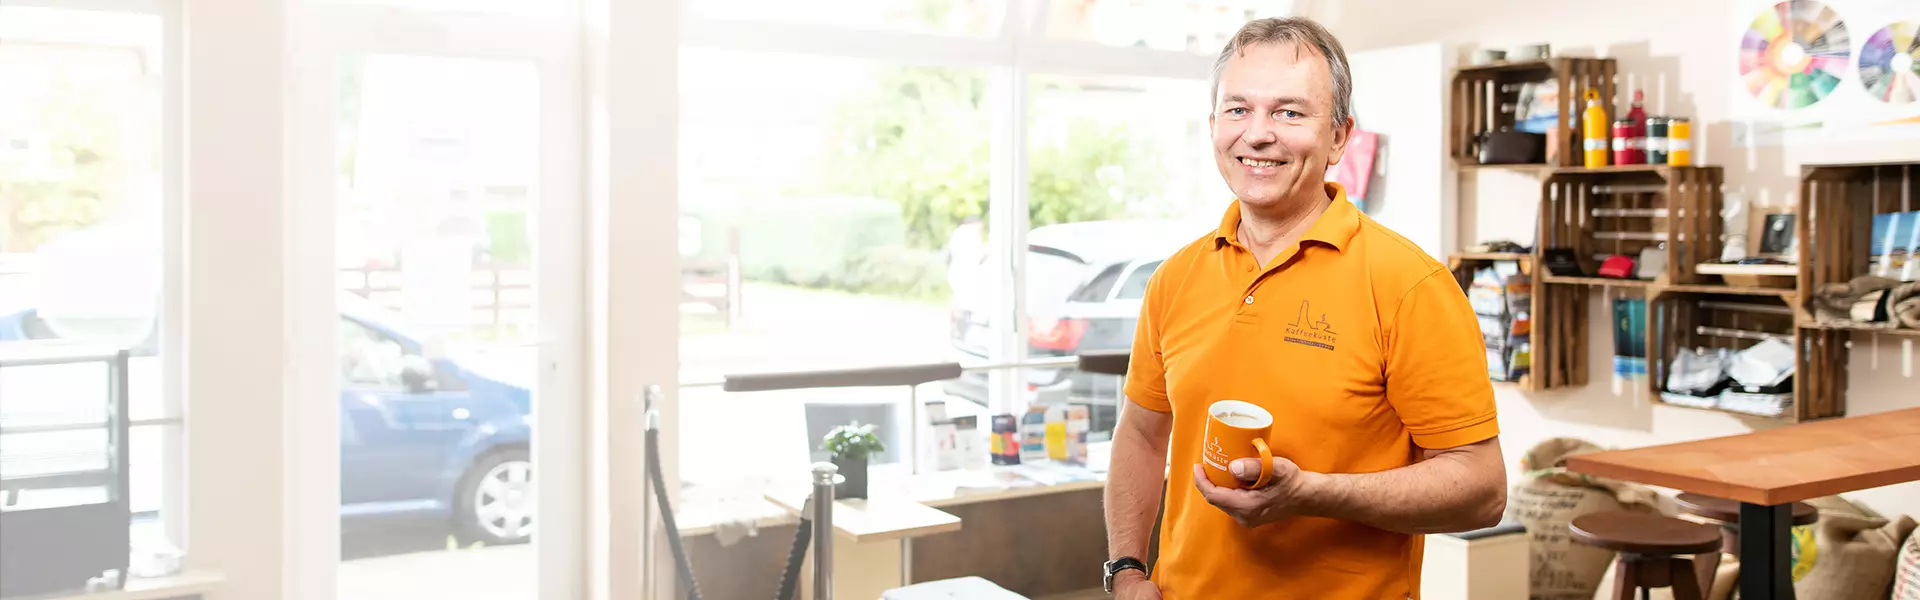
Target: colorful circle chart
pixel 1794 54
pixel 1890 64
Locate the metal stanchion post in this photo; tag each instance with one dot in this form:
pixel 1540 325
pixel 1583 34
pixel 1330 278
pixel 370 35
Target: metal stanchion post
pixel 822 506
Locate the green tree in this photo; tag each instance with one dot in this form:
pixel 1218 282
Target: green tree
pixel 918 138
pixel 75 179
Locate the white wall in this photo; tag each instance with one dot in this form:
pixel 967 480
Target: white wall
pixel 1676 51
pixel 1412 191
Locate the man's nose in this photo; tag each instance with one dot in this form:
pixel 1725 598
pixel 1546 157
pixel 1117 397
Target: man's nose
pixel 1260 131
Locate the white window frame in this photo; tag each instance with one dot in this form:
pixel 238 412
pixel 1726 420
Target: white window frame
pixel 171 421
pixel 553 43
pixel 1018 52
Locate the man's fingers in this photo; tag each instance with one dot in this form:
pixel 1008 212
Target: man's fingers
pixel 1200 480
pixel 1247 469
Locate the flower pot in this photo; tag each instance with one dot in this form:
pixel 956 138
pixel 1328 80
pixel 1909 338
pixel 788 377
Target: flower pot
pixel 853 473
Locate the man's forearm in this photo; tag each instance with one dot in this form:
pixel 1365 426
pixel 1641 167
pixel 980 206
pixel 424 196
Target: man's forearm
pixel 1448 492
pixel 1136 476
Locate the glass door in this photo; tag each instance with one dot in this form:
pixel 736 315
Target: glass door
pixel 455 204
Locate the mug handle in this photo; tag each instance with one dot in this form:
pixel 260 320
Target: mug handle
pixel 1266 463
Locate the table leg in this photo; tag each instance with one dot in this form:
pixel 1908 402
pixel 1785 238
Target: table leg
pixel 1766 552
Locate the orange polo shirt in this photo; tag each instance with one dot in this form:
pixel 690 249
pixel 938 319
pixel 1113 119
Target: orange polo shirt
pixel 1363 348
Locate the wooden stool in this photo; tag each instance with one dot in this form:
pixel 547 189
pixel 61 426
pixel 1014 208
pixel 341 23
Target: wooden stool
pixel 1727 514
pixel 1648 545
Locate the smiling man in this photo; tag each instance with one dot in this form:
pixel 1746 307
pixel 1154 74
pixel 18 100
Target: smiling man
pixel 1362 347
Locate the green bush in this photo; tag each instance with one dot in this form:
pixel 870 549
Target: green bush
pixel 919 138
pixel 811 241
pixel 507 241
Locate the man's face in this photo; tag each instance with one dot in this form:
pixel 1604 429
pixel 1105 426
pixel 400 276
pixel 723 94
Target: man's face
pixel 1274 133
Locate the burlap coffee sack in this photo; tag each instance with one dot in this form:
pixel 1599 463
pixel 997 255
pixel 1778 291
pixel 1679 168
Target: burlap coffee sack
pixel 1548 498
pixel 1856 557
pixel 1906 570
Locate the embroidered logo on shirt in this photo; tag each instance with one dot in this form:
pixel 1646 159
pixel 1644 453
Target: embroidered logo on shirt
pixel 1307 331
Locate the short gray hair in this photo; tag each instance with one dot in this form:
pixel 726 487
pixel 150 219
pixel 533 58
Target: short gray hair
pixel 1301 32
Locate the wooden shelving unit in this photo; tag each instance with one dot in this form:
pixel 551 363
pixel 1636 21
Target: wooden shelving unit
pixel 1599 281
pixel 1834 224
pixel 1675 211
pixel 1912 333
pixel 1624 210
pixel 1465 264
pixel 1480 92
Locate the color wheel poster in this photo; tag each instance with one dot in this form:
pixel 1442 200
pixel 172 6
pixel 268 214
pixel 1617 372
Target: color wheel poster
pixel 1826 71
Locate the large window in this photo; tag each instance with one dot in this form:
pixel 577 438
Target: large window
pixel 860 191
pixel 439 163
pixel 84 205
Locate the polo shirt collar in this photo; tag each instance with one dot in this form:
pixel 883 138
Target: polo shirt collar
pixel 1335 227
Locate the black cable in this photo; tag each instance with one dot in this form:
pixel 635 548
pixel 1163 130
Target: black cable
pixel 798 554
pixel 681 564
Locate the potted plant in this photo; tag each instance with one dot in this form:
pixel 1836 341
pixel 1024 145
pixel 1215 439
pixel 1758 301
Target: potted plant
pixel 851 446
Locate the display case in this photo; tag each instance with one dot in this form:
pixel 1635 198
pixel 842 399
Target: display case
pixel 64 486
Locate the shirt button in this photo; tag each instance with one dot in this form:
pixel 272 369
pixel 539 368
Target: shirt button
pixel 1249 299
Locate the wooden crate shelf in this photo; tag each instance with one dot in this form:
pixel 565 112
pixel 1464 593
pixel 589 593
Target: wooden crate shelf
pixel 1560 336
pixel 1526 259
pixel 1481 92
pixel 1464 267
pixel 1712 288
pixel 1681 321
pixel 1599 281
pixel 1834 226
pixel 1912 333
pixel 1835 219
pixel 1625 210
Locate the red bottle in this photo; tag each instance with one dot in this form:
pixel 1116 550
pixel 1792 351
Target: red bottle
pixel 1634 151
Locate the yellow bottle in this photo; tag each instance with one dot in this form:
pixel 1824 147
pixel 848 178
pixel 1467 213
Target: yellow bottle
pixel 1593 130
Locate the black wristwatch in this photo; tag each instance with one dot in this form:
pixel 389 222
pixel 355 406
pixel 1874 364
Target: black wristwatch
pixel 1117 565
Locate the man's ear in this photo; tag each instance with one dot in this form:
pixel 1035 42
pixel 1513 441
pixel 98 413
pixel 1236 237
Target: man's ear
pixel 1341 133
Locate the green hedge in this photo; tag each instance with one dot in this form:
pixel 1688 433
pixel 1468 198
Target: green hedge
pixel 844 243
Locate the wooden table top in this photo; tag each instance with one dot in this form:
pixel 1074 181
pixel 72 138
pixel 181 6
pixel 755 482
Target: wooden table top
pixel 1777 466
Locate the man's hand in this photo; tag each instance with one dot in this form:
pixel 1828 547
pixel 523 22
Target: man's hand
pixel 1131 584
pixel 1285 496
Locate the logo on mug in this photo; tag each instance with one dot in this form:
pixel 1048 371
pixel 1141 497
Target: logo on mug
pixel 1215 455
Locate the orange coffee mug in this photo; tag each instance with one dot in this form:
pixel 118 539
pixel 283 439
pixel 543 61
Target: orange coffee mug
pixel 1236 430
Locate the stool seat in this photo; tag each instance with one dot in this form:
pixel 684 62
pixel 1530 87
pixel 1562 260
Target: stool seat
pixel 1728 511
pixel 1645 534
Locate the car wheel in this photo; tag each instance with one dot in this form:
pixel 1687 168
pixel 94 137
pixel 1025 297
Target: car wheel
pixel 496 499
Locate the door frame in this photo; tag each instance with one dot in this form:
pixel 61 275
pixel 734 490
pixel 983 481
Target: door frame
pixel 320 35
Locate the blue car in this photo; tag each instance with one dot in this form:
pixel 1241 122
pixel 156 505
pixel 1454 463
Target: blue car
pixel 442 438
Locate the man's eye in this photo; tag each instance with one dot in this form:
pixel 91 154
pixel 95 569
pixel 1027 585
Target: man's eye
pixel 1236 111
pixel 1291 114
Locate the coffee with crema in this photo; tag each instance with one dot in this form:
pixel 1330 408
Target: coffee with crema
pixel 1239 420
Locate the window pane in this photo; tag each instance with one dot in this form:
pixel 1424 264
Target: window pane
pixel 1202 26
pixel 1120 175
pixel 439 169
pixel 949 17
pixel 81 255
pixel 840 211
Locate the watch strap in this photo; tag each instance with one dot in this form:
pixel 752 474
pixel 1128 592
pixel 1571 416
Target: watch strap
pixel 1115 566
